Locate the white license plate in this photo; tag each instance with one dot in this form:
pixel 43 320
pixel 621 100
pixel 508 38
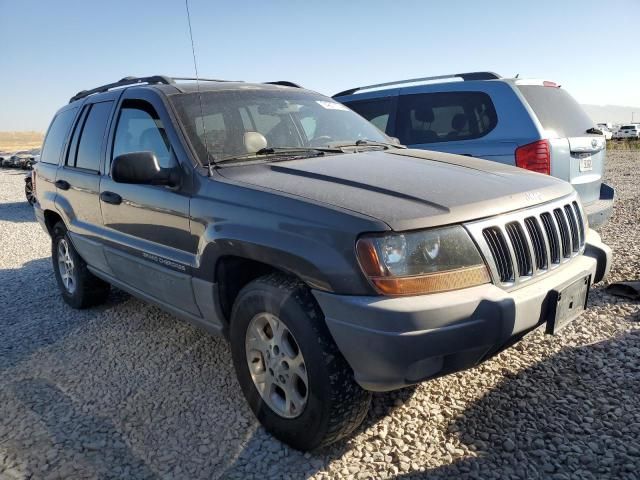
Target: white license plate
pixel 586 162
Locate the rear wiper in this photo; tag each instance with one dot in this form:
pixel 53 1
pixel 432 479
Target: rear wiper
pixel 595 131
pixel 363 142
pixel 280 151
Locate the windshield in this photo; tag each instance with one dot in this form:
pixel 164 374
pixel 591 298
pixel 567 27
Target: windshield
pixel 560 115
pixel 240 122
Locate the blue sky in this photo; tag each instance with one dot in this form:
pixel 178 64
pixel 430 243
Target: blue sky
pixel 49 50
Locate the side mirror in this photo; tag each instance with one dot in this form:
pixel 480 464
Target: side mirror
pixel 141 168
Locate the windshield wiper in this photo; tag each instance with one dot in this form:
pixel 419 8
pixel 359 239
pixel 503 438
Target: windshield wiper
pixel 363 142
pixel 279 151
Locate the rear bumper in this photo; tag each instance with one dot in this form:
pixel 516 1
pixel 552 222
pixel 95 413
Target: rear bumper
pixel 598 212
pixel 394 342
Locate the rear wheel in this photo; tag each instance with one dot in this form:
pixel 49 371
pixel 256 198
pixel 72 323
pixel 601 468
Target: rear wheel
pixel 28 192
pixel 291 372
pixel 78 286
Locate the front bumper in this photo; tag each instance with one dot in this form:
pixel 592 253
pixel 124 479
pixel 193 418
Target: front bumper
pixel 394 342
pixel 598 212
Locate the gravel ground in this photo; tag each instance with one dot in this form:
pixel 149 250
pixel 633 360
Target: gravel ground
pixel 127 391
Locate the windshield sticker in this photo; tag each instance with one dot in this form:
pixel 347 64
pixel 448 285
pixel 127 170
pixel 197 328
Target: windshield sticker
pixel 331 105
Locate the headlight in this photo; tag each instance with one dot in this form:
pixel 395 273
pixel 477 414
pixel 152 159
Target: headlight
pixel 421 262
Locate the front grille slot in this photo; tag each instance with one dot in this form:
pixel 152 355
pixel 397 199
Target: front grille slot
pixel 552 236
pixel 576 208
pixel 538 242
pixel 520 248
pixel 573 227
pixel 564 232
pixel 500 251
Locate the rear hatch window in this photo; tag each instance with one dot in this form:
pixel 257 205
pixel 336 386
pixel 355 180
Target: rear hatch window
pixel 557 111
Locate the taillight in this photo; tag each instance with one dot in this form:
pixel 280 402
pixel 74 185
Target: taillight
pixel 535 156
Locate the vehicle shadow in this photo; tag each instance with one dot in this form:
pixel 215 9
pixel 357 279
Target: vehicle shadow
pixel 17 212
pixel 127 391
pixel 575 413
pixel 33 314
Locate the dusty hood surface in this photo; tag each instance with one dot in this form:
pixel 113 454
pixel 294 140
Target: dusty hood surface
pixel 406 189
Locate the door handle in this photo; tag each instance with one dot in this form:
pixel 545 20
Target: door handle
pixel 110 197
pixel 62 184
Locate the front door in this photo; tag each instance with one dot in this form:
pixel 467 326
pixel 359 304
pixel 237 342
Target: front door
pixel 149 245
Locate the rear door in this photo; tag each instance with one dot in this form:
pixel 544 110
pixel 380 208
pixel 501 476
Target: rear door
pixel 576 155
pixel 149 245
pixel 78 180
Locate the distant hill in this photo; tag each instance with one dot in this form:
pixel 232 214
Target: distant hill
pixel 12 141
pixel 612 113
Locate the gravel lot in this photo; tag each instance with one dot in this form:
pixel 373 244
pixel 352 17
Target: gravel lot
pixel 127 391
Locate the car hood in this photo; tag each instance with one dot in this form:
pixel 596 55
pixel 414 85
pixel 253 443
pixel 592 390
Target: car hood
pixel 405 188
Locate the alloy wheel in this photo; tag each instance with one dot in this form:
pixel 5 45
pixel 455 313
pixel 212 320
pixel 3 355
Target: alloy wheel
pixel 276 365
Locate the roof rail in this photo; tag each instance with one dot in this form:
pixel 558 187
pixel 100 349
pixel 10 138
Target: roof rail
pixel 121 83
pixel 284 83
pixel 154 79
pixel 464 76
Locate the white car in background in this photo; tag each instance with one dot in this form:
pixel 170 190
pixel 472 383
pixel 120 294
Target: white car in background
pixel 608 134
pixel 631 130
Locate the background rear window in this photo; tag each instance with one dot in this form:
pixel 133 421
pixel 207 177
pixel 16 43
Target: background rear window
pixel 560 115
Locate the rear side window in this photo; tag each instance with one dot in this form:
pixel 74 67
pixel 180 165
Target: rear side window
pixel 140 129
pixel 89 147
pixel 559 114
pixel 57 135
pixel 378 112
pixel 444 117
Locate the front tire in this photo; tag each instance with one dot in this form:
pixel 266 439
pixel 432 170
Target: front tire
pixel 291 372
pixel 79 287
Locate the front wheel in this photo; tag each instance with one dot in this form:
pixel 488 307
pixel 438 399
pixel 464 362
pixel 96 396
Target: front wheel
pixel 291 372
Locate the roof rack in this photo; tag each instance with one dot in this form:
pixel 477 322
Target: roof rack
pixel 154 79
pixel 464 76
pixel 284 83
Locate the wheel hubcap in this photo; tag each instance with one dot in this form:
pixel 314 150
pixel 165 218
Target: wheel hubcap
pixel 66 266
pixel 276 365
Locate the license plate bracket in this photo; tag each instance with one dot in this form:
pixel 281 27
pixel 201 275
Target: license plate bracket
pixel 567 304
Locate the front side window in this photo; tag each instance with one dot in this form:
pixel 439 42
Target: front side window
pixel 285 118
pixel 140 129
pixel 56 136
pixel 444 117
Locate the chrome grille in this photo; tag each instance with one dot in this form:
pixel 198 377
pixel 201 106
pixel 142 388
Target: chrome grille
pixel 526 244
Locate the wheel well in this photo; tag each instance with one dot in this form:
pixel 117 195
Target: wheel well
pixel 232 274
pixel 50 219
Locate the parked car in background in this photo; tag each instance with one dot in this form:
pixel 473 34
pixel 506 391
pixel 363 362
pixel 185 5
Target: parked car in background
pixel 608 134
pixel 631 131
pixel 533 124
pixel 17 159
pixel 335 262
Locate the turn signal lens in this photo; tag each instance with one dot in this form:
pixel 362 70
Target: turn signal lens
pixel 421 262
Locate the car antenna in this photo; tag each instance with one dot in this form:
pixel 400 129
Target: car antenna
pixel 210 160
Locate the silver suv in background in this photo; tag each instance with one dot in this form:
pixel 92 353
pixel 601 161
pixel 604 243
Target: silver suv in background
pixel 533 124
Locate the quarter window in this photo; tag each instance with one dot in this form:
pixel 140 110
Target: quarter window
pixel 444 117
pixel 140 129
pixel 57 135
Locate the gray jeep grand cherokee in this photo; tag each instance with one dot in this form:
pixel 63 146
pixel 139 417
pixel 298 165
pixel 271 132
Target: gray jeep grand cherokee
pixel 335 262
